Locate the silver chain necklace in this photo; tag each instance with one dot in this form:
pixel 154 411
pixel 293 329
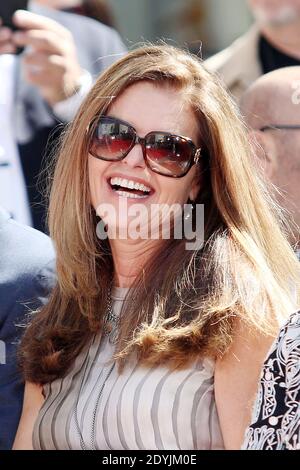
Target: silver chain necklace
pixel 111 321
pixel 93 428
pixel 110 330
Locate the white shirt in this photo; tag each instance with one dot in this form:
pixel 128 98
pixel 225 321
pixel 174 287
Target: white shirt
pixel 13 194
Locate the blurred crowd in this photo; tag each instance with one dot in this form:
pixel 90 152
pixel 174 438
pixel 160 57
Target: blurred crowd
pixel 42 90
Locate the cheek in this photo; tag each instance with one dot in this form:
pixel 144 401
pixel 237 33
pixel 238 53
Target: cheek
pixel 178 190
pixel 193 182
pixel 96 169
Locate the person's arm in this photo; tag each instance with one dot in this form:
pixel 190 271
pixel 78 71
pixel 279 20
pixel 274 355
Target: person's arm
pixel 65 110
pixel 33 400
pixel 236 382
pixel 50 60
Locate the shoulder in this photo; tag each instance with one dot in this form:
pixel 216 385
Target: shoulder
pixel 287 346
pixel 224 60
pixel 22 244
pixel 237 376
pixel 292 325
pixel 27 263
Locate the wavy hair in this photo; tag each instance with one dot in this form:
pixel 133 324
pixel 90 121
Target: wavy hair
pixel 185 303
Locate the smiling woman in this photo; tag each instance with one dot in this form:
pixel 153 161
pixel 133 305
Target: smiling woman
pixel 124 353
pixel 158 168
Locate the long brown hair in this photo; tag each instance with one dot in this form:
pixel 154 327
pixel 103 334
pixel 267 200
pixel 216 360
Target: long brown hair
pixel 184 303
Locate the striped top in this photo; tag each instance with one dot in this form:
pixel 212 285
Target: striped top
pixel 94 407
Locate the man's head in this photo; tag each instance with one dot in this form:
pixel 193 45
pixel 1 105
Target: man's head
pixel 275 12
pixel 274 100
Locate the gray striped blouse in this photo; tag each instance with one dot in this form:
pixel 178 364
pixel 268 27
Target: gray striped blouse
pixel 94 407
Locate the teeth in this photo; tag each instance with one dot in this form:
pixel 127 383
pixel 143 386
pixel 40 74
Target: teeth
pixel 129 184
pixel 132 195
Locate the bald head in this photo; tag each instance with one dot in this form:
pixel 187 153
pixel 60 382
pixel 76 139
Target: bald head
pixel 273 99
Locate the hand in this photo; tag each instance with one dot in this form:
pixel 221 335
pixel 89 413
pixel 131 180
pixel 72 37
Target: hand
pixel 50 61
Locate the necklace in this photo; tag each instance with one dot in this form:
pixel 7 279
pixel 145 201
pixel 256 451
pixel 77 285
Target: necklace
pixel 94 415
pixel 110 329
pixel 111 321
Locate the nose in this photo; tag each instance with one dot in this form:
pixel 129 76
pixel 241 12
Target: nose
pixel 135 157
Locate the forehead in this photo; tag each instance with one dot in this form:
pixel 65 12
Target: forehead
pixel 148 107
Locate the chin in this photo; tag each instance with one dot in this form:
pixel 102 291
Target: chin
pixel 283 16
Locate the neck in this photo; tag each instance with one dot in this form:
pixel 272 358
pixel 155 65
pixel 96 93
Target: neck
pixel 285 38
pixel 130 257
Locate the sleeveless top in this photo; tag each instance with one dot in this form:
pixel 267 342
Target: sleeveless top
pixel 95 407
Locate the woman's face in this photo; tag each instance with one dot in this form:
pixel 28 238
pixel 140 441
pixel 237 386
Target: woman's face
pixel 147 107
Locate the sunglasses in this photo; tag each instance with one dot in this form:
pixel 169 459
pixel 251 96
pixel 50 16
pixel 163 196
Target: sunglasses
pixel 286 127
pixel 164 153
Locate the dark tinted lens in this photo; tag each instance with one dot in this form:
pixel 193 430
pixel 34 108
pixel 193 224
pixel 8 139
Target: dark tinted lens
pixel 111 139
pixel 167 154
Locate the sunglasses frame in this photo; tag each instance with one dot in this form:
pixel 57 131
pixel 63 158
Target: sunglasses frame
pixel 195 151
pixel 286 127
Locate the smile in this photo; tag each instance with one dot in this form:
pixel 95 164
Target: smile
pixel 129 188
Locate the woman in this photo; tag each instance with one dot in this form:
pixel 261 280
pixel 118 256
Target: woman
pixel 133 367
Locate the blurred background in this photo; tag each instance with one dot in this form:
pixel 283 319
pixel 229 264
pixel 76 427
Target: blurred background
pixel 184 22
